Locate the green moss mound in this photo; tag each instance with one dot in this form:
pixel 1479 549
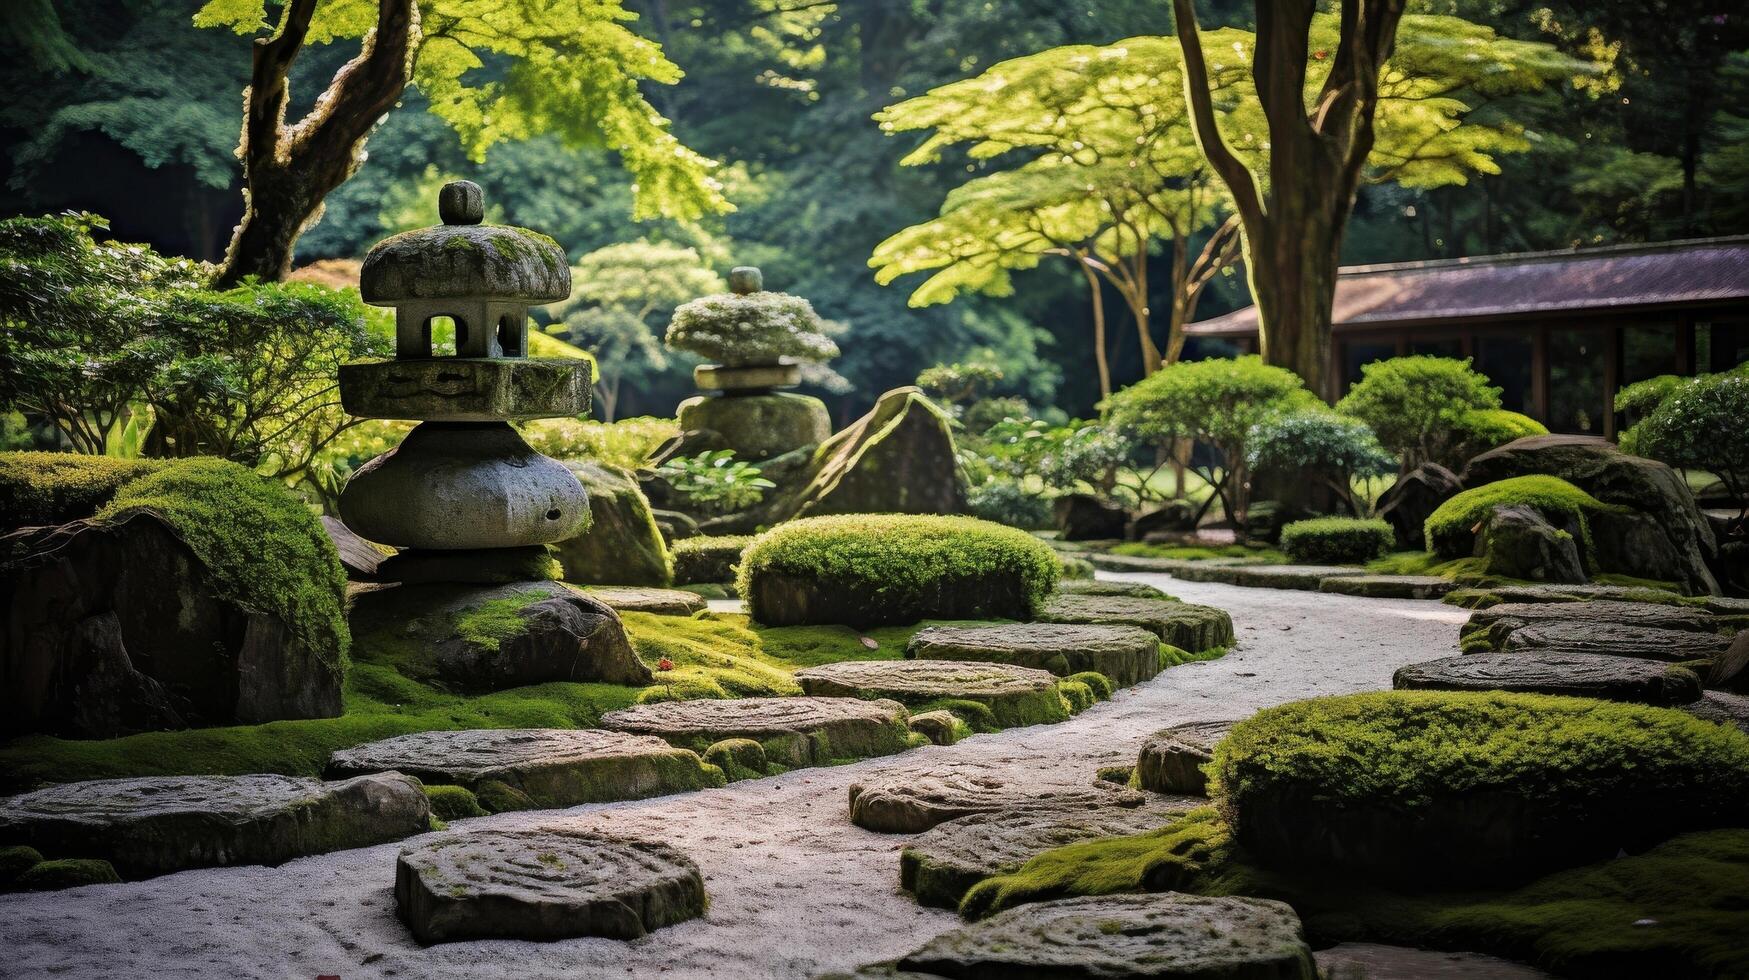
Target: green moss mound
pixel 16 860
pixel 67 873
pixel 1449 528
pixel 263 547
pixel 1418 786
pixel 890 568
pixel 1096 682
pixel 1190 552
pixel 708 559
pixel 1336 541
pixel 453 802
pixel 54 488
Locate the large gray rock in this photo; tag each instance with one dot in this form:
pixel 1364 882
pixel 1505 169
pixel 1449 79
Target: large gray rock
pixel 1184 625
pixel 622 544
pixel 1015 696
pixel 156 825
pixel 1085 517
pixel 543 885
pixel 941 864
pixel 112 628
pixel 897 459
pixel 1172 760
pixel 1553 672
pixel 1618 640
pixel 1491 626
pixel 1407 504
pixel 908 802
pixel 1647 486
pixel 1171 518
pixel 1731 668
pixel 1171 936
pixel 461 639
pixel 1519 542
pixel 1126 654
pixel 793 731
pixel 553 767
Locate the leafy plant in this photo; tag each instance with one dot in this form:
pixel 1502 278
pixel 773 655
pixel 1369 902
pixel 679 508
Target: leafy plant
pixel 716 482
pixel 960 382
pixel 1322 445
pixel 1336 540
pixel 1699 424
pixel 1416 404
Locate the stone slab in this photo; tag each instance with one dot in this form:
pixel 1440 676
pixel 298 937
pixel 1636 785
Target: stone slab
pixel 1618 640
pixel 1014 695
pixel 909 802
pixel 1387 586
pixel 466 389
pixel 1301 577
pixel 1724 707
pixel 794 731
pixel 1126 654
pixel 1184 625
pixel 751 377
pixel 1498 622
pixel 155 825
pixel 1090 586
pixel 1551 672
pixel 1171 760
pixel 661 602
pixel 543 885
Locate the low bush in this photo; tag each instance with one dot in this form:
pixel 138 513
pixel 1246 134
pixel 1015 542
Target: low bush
pixel 707 559
pixel 54 488
pixel 1481 429
pixel 1336 541
pixel 1416 404
pixel 1450 528
pixel 1005 501
pixel 863 569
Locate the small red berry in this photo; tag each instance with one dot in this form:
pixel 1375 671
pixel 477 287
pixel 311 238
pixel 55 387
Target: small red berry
pixel 664 664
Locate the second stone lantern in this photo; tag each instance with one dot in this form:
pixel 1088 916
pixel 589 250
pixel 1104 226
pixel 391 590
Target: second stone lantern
pixel 463 496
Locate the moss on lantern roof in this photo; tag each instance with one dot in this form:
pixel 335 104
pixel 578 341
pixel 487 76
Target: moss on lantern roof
pixel 750 326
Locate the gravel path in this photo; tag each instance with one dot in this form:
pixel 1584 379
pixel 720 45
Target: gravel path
pixel 795 888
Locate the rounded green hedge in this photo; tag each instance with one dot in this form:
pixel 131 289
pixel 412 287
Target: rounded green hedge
pixel 54 488
pixel 1432 789
pixel 706 559
pixel 1450 528
pixel 874 569
pixel 1336 541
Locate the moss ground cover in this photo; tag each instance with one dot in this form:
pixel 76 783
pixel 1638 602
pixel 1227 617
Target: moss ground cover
pixel 707 559
pixel 1448 528
pixel 1141 549
pixel 53 488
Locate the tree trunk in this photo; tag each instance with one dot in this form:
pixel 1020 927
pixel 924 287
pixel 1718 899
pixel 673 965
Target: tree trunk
pixel 1292 274
pixel 1099 356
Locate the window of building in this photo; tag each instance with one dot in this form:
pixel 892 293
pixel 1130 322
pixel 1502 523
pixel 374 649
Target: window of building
pixel 1441 347
pixel 1647 352
pixel 1720 346
pixel 1506 362
pixel 1576 381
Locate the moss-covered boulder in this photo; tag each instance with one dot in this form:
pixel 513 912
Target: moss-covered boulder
pixel 1182 624
pixel 67 873
pixel 759 426
pixel 793 731
pixel 707 559
pixel 40 489
pixel 622 545
pixel 200 594
pixel 897 459
pixel 941 726
pixel 1014 696
pixel 871 570
pixel 1518 542
pixel 1451 528
pixel 1124 654
pixel 1421 787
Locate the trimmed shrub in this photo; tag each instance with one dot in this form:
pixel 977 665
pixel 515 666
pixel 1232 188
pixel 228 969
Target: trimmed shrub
pixel 864 570
pixel 708 559
pixel 1450 528
pixel 1336 541
pixel 1076 569
pixel 54 488
pixel 1481 429
pixel 1424 787
pixel 1415 404
pixel 1006 501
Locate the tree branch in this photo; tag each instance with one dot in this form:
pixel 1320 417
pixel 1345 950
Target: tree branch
pixel 1240 181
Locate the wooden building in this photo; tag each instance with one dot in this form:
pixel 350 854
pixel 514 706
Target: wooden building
pixel 1559 332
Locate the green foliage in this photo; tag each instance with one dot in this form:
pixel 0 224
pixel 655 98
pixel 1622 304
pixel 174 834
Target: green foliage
pixel 67 873
pixel 1481 429
pixel 1415 405
pixel 15 860
pixel 490 624
pixel 1336 540
pixel 1006 500
pixel 715 482
pixel 1061 457
pixel 900 564
pixel 1699 424
pixel 708 559
pixel 54 488
pixel 1449 527
pixel 961 382
pixel 262 547
pixel 626 443
pixel 1317 442
pixel 453 802
pixel 755 328
pixel 1096 682
pixel 1253 554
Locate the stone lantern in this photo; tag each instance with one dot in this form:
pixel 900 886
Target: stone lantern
pixel 757 339
pixel 463 495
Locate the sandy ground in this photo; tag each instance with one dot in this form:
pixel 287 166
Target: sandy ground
pixel 795 889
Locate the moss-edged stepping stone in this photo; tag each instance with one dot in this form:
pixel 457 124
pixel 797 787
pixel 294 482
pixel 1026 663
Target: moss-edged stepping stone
pixel 1170 935
pixel 908 802
pixel 1724 707
pixel 1302 577
pixel 649 599
pixel 159 824
pixel 1618 640
pixel 543 884
pixel 941 864
pixel 1090 586
pixel 1171 760
pixel 800 731
pixel 1494 595
pixel 1493 624
pixel 1552 672
pixel 1388 586
pixel 1126 654
pixel 1016 696
pixel 553 767
pixel 1185 625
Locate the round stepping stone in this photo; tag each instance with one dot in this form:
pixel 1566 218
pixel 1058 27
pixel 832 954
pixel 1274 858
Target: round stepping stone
pixel 798 731
pixel 909 802
pixel 554 767
pixel 1369 961
pixel 1553 672
pixel 1090 586
pixel 156 825
pixel 1303 577
pixel 1170 935
pixel 1387 586
pixel 543 885
pixel 1016 696
pixel 1185 625
pixel 941 864
pixel 1126 654
pixel 1171 761
pixel 661 602
pixel 1495 623
pixel 1618 640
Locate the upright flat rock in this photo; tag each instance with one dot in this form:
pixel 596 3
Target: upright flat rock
pixel 905 803
pixel 941 864
pixel 648 599
pixel 1169 935
pixel 793 731
pixel 1387 586
pixel 1171 760
pixel 1553 672
pixel 1126 654
pixel 555 767
pixel 1091 586
pixel 1184 625
pixel 543 885
pixel 1618 640
pixel 156 825
pixel 1014 695
pixel 1498 622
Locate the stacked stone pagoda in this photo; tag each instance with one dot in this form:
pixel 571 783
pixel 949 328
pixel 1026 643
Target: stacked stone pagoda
pixel 463 496
pixel 757 340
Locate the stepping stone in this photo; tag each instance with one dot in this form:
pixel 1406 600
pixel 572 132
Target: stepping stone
pixel 801 731
pixel 1369 961
pixel 1388 586
pixel 1171 935
pixel 554 767
pixel 1483 597
pixel 1016 696
pixel 1089 586
pixel 155 825
pixel 1724 707
pixel 1185 625
pixel 1303 577
pixel 1171 761
pixel 543 885
pixel 661 602
pixel 1551 672
pixel 1497 622
pixel 1126 654
pixel 1618 640
pixel 909 802
pixel 940 727
pixel 941 864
